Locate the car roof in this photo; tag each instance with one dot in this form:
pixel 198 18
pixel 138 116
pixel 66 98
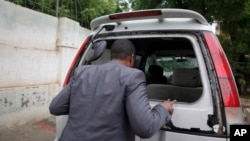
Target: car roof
pixel 154 19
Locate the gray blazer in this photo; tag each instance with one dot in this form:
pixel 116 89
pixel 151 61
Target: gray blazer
pixel 107 103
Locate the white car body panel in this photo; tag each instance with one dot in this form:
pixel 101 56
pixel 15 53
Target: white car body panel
pixel 173 136
pixel 186 115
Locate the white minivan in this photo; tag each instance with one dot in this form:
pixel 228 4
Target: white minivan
pixel 182 59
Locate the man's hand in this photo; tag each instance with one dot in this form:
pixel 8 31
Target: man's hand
pixel 168 105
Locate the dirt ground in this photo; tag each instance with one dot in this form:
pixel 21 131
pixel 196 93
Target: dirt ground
pixel 43 130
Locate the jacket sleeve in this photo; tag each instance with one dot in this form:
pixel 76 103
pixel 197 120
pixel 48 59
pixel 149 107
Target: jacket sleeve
pixel 60 104
pixel 145 121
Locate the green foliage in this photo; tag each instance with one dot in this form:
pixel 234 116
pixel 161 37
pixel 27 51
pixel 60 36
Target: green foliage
pixel 97 8
pixel 122 6
pixel 151 4
pixel 82 11
pixel 245 97
pixel 45 6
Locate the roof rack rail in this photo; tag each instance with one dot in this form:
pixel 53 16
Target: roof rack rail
pixel 148 14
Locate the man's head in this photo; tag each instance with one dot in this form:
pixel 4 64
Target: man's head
pixel 124 51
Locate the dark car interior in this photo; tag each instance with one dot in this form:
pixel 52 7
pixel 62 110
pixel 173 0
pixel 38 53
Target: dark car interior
pixel 170 67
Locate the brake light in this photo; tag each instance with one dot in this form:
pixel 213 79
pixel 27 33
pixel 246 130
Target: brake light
pixel 74 62
pixel 227 83
pixel 136 14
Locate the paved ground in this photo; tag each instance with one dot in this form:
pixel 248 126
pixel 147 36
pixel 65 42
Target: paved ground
pixel 43 130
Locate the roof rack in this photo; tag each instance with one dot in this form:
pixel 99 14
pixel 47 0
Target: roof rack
pixel 159 14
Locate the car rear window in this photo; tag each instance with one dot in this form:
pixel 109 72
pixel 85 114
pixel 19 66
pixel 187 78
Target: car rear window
pixel 170 66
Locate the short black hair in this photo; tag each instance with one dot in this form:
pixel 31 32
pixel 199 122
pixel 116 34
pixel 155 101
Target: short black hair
pixel 122 48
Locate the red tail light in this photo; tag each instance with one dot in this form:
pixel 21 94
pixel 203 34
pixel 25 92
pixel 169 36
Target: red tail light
pixel 74 62
pixel 227 83
pixel 135 14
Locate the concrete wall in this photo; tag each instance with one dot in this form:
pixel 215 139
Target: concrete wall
pixel 35 53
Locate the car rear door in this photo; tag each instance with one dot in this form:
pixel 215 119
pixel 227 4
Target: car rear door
pixel 195 118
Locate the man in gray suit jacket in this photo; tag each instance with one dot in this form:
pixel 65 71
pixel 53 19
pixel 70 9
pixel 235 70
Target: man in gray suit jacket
pixel 109 102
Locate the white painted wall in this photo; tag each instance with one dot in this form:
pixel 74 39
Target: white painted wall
pixel 35 53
